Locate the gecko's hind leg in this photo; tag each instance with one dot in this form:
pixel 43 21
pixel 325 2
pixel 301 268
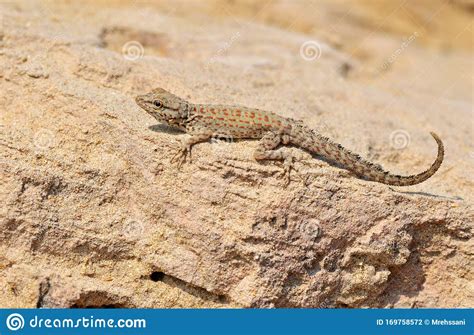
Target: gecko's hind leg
pixel 266 150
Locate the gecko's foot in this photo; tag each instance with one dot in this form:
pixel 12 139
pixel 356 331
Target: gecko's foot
pixel 181 156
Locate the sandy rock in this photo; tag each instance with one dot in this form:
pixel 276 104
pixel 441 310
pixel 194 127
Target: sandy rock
pixel 94 214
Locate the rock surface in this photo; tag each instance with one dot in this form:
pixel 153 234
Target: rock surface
pixel 94 215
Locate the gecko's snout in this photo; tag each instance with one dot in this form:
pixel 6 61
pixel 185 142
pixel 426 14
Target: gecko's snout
pixel 142 101
pixel 139 100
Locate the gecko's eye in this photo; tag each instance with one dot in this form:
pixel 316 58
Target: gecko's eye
pixel 158 103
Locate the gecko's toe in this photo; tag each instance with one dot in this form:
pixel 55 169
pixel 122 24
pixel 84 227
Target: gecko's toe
pixel 180 157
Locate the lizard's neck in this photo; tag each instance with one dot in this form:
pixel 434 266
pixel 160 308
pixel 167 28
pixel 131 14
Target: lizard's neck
pixel 188 115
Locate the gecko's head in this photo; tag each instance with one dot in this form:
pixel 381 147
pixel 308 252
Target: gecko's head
pixel 163 106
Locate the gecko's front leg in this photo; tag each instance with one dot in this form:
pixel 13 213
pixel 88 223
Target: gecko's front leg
pixel 266 150
pixel 187 143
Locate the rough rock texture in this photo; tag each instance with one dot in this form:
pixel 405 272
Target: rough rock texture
pixel 93 214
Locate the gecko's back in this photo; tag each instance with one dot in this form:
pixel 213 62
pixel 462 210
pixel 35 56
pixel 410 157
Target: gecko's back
pixel 237 121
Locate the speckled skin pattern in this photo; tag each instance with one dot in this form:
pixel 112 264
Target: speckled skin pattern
pixel 203 122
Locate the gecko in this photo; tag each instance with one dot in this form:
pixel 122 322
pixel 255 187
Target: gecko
pixel 274 132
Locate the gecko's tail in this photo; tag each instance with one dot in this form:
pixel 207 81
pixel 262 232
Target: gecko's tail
pixel 391 179
pixel 366 170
